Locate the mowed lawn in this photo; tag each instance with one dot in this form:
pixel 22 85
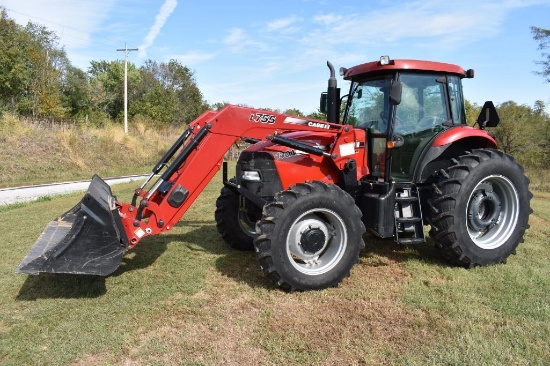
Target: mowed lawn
pixel 184 298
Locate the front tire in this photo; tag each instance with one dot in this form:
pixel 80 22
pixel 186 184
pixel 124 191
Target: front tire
pixel 480 209
pixel 236 220
pixel 310 237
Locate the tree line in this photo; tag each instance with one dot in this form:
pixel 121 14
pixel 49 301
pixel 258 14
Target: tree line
pixel 38 80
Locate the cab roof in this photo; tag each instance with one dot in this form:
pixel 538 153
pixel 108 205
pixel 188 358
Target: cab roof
pixel 376 67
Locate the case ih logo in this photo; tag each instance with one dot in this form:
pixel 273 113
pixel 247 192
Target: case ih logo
pixel 304 122
pixel 318 125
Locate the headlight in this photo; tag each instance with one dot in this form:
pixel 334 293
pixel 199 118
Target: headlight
pixel 251 176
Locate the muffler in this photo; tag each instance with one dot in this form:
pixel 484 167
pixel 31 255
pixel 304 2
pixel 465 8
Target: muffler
pixel 87 239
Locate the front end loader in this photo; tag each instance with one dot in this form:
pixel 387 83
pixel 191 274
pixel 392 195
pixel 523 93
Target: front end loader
pixel 92 237
pixel 306 191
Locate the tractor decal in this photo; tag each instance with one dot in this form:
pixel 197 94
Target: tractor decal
pixel 299 121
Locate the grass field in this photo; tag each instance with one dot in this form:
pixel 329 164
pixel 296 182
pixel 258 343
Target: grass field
pixel 184 298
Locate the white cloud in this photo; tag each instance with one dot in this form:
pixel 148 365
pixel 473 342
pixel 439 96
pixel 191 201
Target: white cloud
pixel 73 22
pixel 237 40
pixel 235 37
pixel 329 19
pixel 194 58
pixel 285 25
pixel 161 18
pixel 417 22
pixel 347 38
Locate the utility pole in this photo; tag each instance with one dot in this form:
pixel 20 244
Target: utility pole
pixel 126 51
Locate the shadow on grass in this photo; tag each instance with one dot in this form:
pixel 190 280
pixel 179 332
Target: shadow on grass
pixel 57 285
pixel 61 286
pixel 388 249
pixel 238 265
pixel 243 266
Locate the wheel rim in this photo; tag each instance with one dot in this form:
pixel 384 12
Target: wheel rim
pixel 316 242
pixel 246 222
pixel 492 212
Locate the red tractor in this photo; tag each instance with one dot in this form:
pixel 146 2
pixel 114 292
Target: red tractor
pixel 305 191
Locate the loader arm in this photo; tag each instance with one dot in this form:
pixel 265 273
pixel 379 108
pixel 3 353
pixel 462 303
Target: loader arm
pixel 208 138
pixel 93 236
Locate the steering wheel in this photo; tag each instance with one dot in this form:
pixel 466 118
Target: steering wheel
pixel 430 122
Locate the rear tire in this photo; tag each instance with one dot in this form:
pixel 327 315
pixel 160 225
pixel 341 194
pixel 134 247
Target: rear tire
pixel 309 237
pixel 235 223
pixel 480 209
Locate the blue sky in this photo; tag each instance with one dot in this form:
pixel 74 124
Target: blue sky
pixel 273 53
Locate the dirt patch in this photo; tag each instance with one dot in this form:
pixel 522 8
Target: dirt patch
pixel 239 325
pixel 213 327
pixel 98 359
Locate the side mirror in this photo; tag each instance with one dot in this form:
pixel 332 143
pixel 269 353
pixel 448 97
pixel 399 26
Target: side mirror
pixel 395 92
pixel 488 117
pixel 323 103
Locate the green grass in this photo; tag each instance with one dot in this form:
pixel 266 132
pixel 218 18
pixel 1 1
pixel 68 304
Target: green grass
pixel 184 298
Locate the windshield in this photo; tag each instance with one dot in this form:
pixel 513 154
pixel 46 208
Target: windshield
pixel 369 106
pixel 423 106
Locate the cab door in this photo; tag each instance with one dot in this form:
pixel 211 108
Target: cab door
pixel 419 117
pixel 369 109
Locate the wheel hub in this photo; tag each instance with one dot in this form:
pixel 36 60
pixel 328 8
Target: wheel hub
pixel 312 240
pixel 484 209
pixel 309 238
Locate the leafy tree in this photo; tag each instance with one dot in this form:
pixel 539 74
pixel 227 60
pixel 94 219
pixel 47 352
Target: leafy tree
pixel 168 93
pixel 472 112
pixel 31 63
pixel 294 112
pixel 318 115
pixel 76 92
pixel 107 86
pixel 47 63
pixel 13 76
pixel 520 133
pixel 543 37
pixel 539 107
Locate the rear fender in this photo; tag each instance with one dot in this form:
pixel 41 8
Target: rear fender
pixel 448 145
pixel 462 132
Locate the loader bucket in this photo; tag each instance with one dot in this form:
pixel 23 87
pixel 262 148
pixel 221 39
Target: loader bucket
pixel 87 239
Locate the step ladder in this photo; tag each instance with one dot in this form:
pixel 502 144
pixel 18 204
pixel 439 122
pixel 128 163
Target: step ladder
pixel 409 228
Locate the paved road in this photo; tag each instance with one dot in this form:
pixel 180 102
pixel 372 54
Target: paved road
pixel 31 193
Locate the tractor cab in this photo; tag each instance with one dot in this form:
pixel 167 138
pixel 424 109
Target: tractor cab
pixel 403 105
pixel 412 112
